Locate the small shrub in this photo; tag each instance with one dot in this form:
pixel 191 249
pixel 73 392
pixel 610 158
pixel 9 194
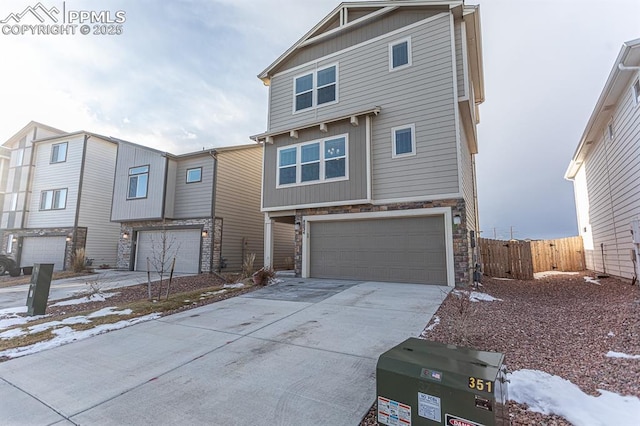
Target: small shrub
pixel 247 264
pixel 263 276
pixel 78 263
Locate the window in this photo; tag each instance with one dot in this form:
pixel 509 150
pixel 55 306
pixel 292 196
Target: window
pixel 53 199
pixel 403 141
pixel 10 244
pixel 59 152
pixel 400 54
pixel 315 89
pixel 14 202
pixel 18 157
pixel 194 175
pixel 636 92
pixel 138 180
pixel 313 162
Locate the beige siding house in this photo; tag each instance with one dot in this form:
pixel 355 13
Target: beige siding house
pixel 605 170
pixel 60 198
pixel 201 208
pixel 370 145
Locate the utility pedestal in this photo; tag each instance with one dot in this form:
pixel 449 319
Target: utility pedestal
pixel 39 288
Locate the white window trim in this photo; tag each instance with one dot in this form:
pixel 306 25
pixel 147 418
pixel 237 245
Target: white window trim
pixel 413 141
pixel 193 181
pixel 314 88
pixel 66 152
pixel 53 197
pixel 129 176
pixel 635 91
pixel 409 55
pixel 298 163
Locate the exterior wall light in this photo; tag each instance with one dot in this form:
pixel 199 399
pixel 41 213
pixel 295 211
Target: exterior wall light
pixel 457 219
pixel 205 233
pixel 125 235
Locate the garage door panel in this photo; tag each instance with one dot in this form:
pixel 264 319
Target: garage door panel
pixel 43 250
pixel 392 249
pixel 182 244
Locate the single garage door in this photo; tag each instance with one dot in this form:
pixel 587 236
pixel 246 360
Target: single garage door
pixel 182 244
pixel 43 250
pixel 409 249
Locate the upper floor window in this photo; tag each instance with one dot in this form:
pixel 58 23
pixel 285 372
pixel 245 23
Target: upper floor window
pixel 400 54
pixel 18 157
pixel 316 88
pixel 14 202
pixel 53 199
pixel 59 152
pixel 403 141
pixel 313 162
pixel 194 175
pixel 636 92
pixel 10 244
pixel 138 182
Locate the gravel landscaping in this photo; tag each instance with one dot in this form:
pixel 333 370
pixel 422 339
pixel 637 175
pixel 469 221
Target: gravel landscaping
pixel 561 324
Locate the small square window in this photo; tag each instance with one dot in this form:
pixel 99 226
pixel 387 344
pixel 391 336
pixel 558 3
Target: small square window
pixel 59 152
pixel 194 175
pixel 403 141
pixel 636 92
pixel 399 54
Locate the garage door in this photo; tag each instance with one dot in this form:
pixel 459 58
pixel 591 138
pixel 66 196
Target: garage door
pixel 394 250
pixel 43 250
pixel 182 244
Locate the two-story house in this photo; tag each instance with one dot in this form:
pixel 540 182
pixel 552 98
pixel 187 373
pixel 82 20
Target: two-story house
pixel 59 197
pixel 370 143
pixel 201 208
pixel 605 170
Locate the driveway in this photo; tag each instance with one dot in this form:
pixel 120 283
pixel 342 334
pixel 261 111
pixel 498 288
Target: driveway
pixel 13 296
pixel 302 352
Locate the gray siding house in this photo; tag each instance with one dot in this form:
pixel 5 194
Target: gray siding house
pixel 203 208
pixel 370 144
pixel 59 197
pixel 605 170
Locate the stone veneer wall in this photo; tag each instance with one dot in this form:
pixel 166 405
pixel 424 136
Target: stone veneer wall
pixel 461 242
pixel 209 243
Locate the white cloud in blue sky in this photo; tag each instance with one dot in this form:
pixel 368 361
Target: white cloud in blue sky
pixel 182 76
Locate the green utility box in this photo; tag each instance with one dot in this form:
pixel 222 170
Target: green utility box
pixel 39 288
pixel 428 383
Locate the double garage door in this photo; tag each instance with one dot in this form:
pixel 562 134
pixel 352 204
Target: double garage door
pixel 183 244
pixel 407 249
pixel 43 250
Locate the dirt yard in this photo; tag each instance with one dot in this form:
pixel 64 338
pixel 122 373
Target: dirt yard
pixel 561 324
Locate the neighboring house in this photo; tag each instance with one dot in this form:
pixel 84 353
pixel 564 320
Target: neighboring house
pixel 58 197
pixel 203 208
pixel 605 170
pixel 370 143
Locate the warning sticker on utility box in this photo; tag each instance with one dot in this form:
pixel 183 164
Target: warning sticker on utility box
pixel 429 407
pixel 451 420
pixel 393 413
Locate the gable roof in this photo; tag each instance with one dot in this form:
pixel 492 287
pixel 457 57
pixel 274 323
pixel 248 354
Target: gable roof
pixel 620 77
pixel 338 20
pixel 26 129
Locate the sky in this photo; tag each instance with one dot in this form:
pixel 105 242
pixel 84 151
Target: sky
pixel 182 77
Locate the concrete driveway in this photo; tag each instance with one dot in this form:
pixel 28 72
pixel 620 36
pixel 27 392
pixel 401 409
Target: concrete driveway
pixel 302 352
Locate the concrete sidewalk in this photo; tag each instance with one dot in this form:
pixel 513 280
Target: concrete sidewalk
pixel 13 296
pixel 302 352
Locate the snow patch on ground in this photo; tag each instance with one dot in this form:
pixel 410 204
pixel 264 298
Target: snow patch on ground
pixel 97 297
pixel 612 354
pixel 236 285
pixel 66 335
pixel 591 280
pixel 548 394
pixel 476 296
pixel 436 321
pixel 540 275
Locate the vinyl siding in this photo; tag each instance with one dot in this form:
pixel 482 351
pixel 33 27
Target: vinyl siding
pixel 143 208
pixel 460 71
pixel 467 179
pixel 612 171
pixel 364 79
pixel 170 184
pixel 47 176
pixel 355 188
pixel 238 204
pixel 360 33
pixel 95 202
pixel 194 199
pixel 283 244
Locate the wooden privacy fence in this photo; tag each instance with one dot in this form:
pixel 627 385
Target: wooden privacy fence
pixel 521 259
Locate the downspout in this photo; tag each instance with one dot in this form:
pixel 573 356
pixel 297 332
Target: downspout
pixel 214 191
